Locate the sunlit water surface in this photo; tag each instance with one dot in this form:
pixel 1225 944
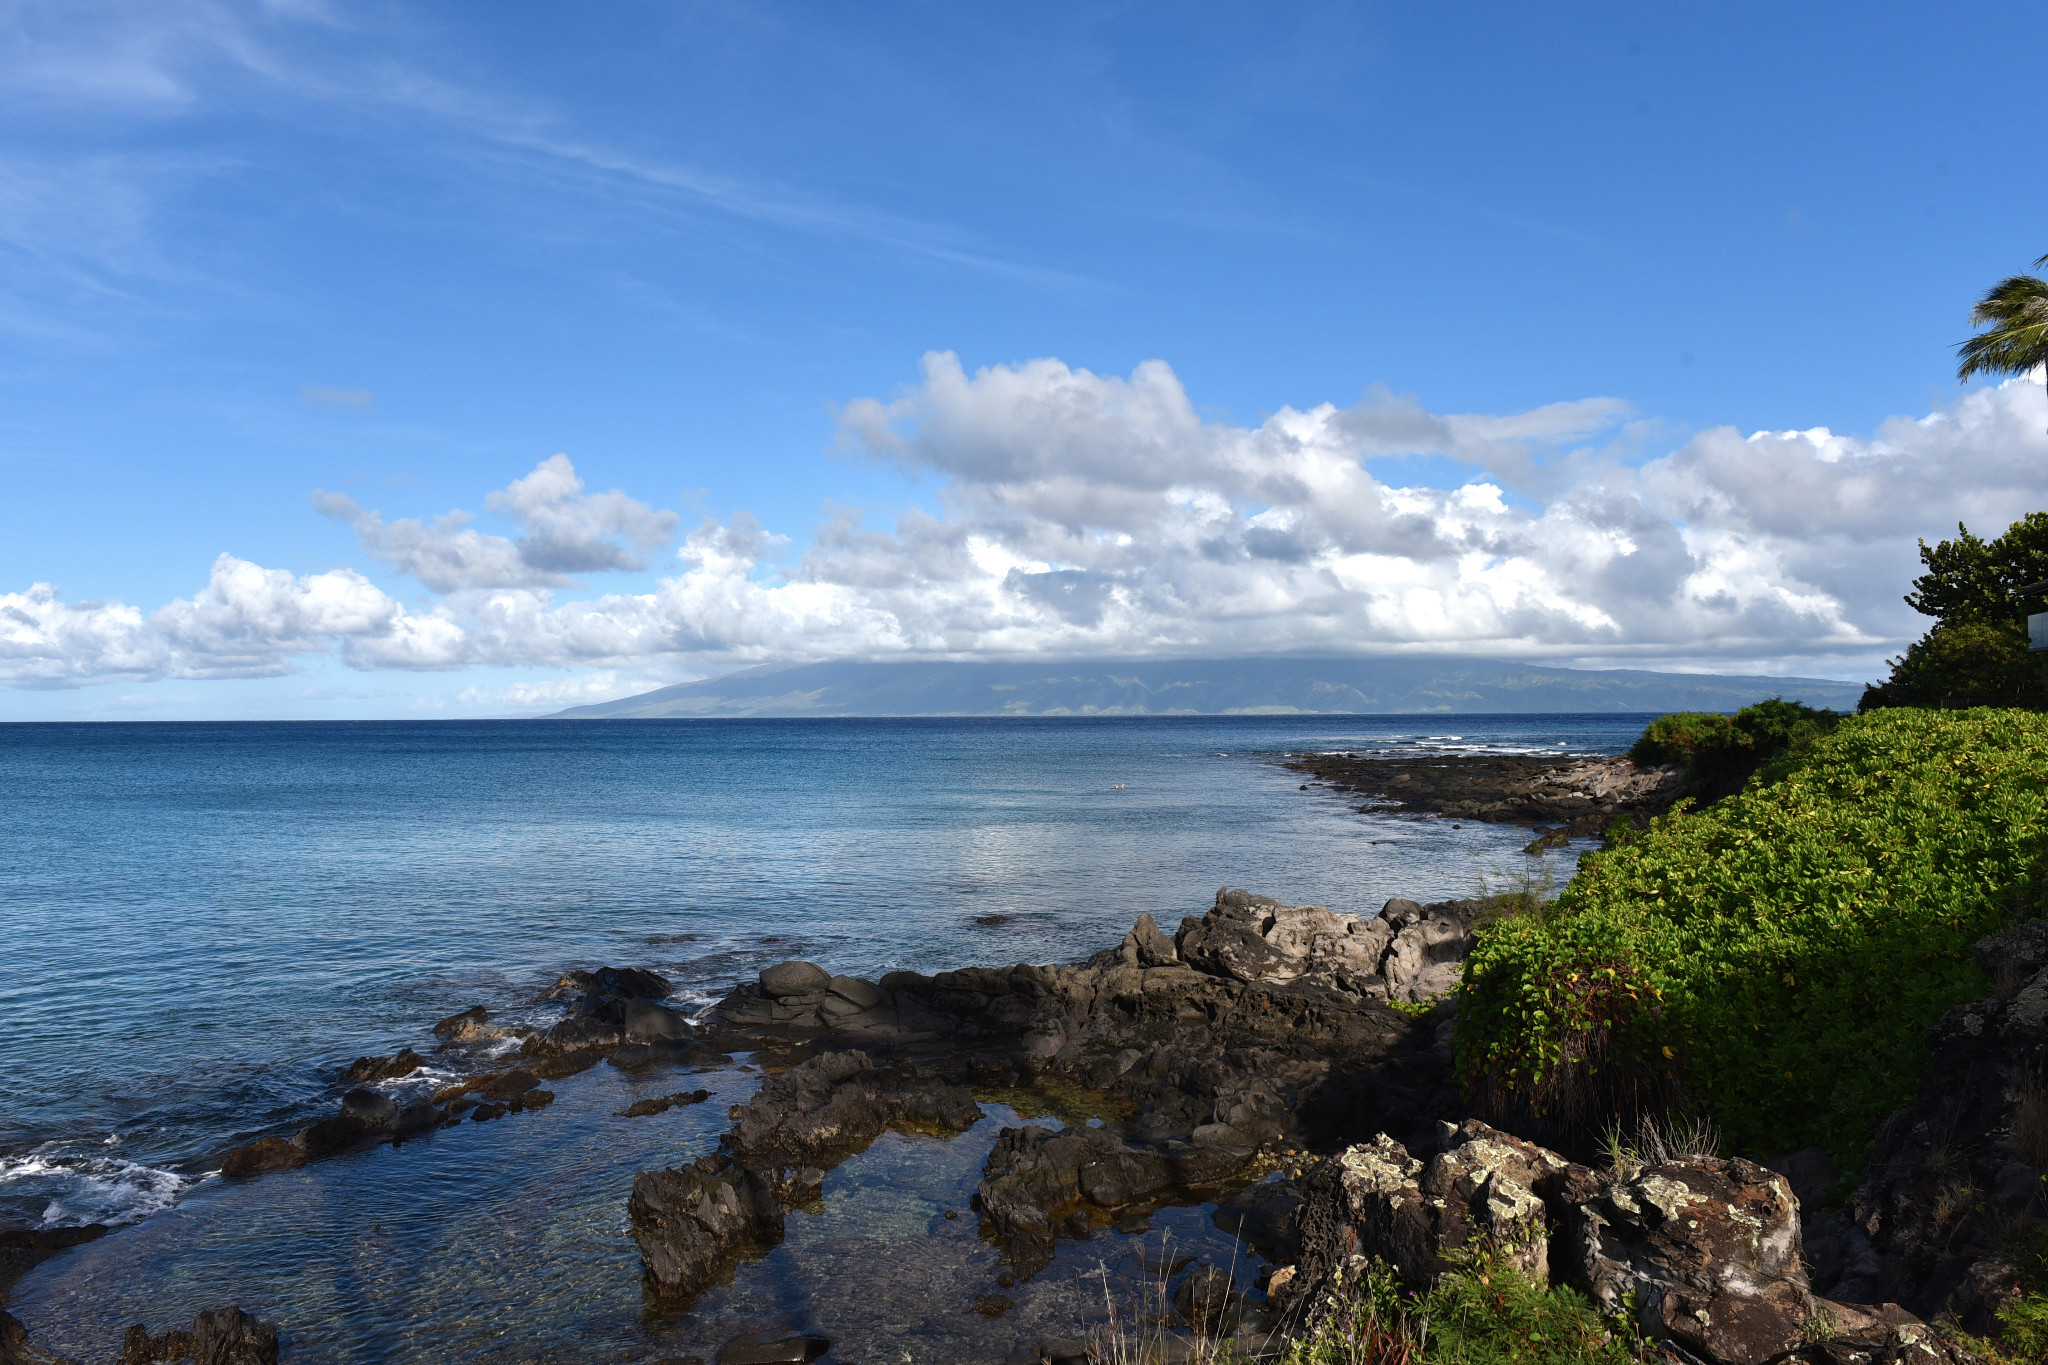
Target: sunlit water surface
pixel 205 923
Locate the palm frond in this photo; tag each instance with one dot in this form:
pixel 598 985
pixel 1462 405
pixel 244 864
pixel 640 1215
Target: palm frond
pixel 2016 312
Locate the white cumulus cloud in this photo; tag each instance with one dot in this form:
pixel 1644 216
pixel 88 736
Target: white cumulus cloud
pixel 1100 515
pixel 567 532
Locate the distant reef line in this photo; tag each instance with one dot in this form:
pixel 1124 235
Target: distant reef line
pixel 1273 686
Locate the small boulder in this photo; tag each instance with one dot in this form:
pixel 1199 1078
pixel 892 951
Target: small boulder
pixel 788 979
pixel 418 1117
pixel 1378 1200
pixel 646 1021
pixel 458 1027
pixel 1707 1250
pixel 326 1137
pixel 374 1110
pixel 1426 957
pixel 861 994
pixel 514 1082
pixel 631 1056
pixel 580 1031
pixel 1147 945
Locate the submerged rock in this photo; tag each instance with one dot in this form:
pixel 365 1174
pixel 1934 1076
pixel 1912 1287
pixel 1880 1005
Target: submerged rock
pixel 225 1336
pixel 264 1154
pixel 640 1109
pixel 1207 1300
pixel 24 1248
pixel 773 1348
pixel 823 1110
pixel 692 1223
pixel 799 1122
pixel 667 1052
pixel 1038 1184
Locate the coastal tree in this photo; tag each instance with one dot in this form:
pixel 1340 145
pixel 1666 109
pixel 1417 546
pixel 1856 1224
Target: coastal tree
pixel 1978 642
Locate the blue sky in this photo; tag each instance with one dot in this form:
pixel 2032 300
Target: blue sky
pixel 405 255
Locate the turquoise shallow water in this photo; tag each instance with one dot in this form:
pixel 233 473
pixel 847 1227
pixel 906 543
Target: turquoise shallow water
pixel 206 922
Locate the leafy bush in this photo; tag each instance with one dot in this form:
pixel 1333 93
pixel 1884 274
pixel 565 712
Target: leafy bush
pixel 1719 752
pixel 1776 957
pixel 1488 1314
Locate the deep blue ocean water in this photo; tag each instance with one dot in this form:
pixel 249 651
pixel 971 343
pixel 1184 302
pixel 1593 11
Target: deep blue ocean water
pixel 204 923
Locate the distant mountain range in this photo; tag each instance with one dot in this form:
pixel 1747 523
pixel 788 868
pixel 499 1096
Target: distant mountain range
pixel 1259 686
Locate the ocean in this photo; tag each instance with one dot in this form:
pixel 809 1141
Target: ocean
pixel 206 922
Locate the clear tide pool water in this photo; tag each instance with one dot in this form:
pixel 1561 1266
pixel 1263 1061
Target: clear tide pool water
pixel 205 923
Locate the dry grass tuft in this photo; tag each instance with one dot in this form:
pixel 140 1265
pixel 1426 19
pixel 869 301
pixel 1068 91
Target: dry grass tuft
pixel 2030 1124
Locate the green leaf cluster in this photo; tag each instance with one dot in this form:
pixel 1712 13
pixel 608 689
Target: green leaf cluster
pixel 1775 958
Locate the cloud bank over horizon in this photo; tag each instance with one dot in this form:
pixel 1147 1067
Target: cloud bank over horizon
pixel 1098 516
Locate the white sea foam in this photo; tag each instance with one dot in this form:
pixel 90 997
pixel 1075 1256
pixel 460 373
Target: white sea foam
pixel 429 1078
pixel 1427 746
pixel 76 1190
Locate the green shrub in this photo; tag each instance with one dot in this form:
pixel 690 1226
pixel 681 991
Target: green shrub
pixel 1775 957
pixel 1719 752
pixel 1489 1314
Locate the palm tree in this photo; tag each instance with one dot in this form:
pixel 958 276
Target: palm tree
pixel 2016 312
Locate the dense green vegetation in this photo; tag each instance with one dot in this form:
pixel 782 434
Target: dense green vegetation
pixel 1719 752
pixel 1772 959
pixel 1487 1314
pixel 1978 642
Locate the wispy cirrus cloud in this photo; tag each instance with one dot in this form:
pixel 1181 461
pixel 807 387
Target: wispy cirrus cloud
pixel 103 223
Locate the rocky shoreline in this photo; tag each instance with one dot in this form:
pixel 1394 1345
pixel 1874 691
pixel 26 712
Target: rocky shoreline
pixel 1569 796
pixel 1290 1065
